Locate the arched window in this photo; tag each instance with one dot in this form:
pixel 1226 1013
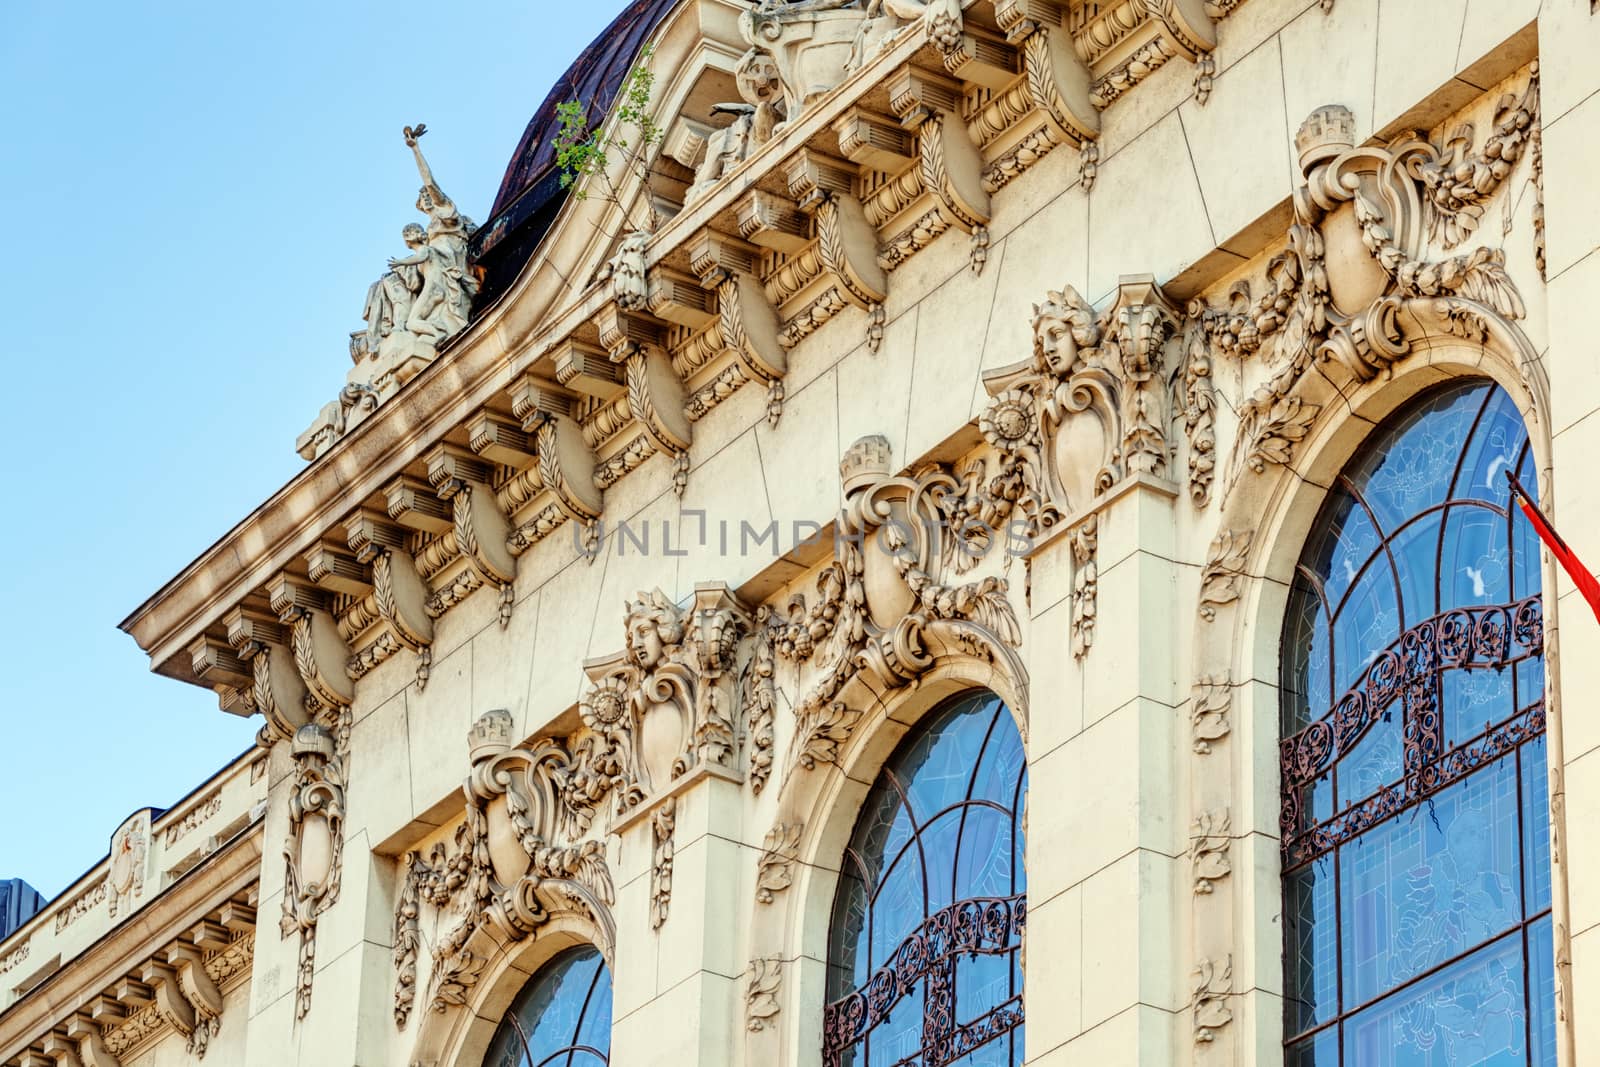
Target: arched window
pixel 923 951
pixel 562 1017
pixel 1414 809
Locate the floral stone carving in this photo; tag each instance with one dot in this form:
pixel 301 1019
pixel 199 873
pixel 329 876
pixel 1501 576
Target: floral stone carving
pixel 1357 281
pixel 885 613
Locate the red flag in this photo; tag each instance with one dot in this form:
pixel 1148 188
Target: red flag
pixel 1581 576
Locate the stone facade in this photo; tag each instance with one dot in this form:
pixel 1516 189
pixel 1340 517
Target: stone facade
pixel 1004 345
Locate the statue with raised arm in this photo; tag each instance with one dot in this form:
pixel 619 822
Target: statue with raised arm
pixel 423 299
pixel 444 300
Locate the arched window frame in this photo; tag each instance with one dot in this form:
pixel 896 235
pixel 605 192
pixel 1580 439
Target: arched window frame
pixel 513 1035
pixel 1406 680
pixel 924 960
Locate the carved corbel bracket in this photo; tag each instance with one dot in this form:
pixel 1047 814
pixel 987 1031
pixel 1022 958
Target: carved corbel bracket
pixel 812 279
pixel 217 663
pixel 197 1020
pixel 565 470
pixel 399 593
pixel 465 482
pixel 1126 41
pixel 200 991
pixel 949 165
pixel 1046 106
pixel 747 324
pixel 320 651
pixel 655 399
pixel 90 1041
pixel 277 690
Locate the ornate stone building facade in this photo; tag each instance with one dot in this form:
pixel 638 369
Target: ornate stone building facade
pixel 1012 564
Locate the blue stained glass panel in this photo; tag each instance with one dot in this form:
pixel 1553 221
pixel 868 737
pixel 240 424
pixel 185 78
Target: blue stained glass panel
pixel 1536 826
pixel 1319 1050
pixel 562 1016
pixel 1469 1014
pixel 1426 886
pixel 1542 994
pixel 949 801
pixel 1412 954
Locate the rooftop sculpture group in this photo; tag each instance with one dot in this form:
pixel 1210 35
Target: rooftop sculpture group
pixel 422 300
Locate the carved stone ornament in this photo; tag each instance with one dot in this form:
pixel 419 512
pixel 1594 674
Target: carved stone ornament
pixel 779 853
pixel 1085 539
pixel 520 856
pixel 1212 984
pixel 758 698
pixel 130 850
pixel 313 852
pixel 422 301
pixel 184 996
pixel 1210 708
pixel 1208 849
pixel 1366 271
pixel 665 704
pixel 1097 385
pixel 885 612
pixel 761 993
pixel 663 820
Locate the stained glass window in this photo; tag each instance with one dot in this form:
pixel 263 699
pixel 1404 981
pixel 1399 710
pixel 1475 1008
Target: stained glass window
pixel 923 957
pixel 562 1017
pixel 1414 805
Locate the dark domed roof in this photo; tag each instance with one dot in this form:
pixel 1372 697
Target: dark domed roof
pixel 530 194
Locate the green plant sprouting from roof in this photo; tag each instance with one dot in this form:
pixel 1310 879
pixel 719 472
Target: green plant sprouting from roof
pixel 586 152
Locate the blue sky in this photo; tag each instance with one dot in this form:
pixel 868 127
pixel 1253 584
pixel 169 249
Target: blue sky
pixel 198 195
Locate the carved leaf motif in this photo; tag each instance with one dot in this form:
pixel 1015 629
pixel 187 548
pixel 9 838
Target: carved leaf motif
pixel 761 993
pixel 1284 425
pixel 758 695
pixel 662 822
pixel 1220 577
pixel 821 732
pixel 775 869
pixel 1209 713
pixel 1208 855
pixel 1212 980
pixel 453 979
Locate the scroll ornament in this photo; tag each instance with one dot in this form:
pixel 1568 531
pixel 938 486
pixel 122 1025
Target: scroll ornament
pixel 314 850
pixel 519 858
pixel 1378 213
pixel 885 612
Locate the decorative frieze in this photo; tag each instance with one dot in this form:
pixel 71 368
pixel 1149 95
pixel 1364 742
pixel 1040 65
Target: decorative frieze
pixel 82 905
pixel 192 819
